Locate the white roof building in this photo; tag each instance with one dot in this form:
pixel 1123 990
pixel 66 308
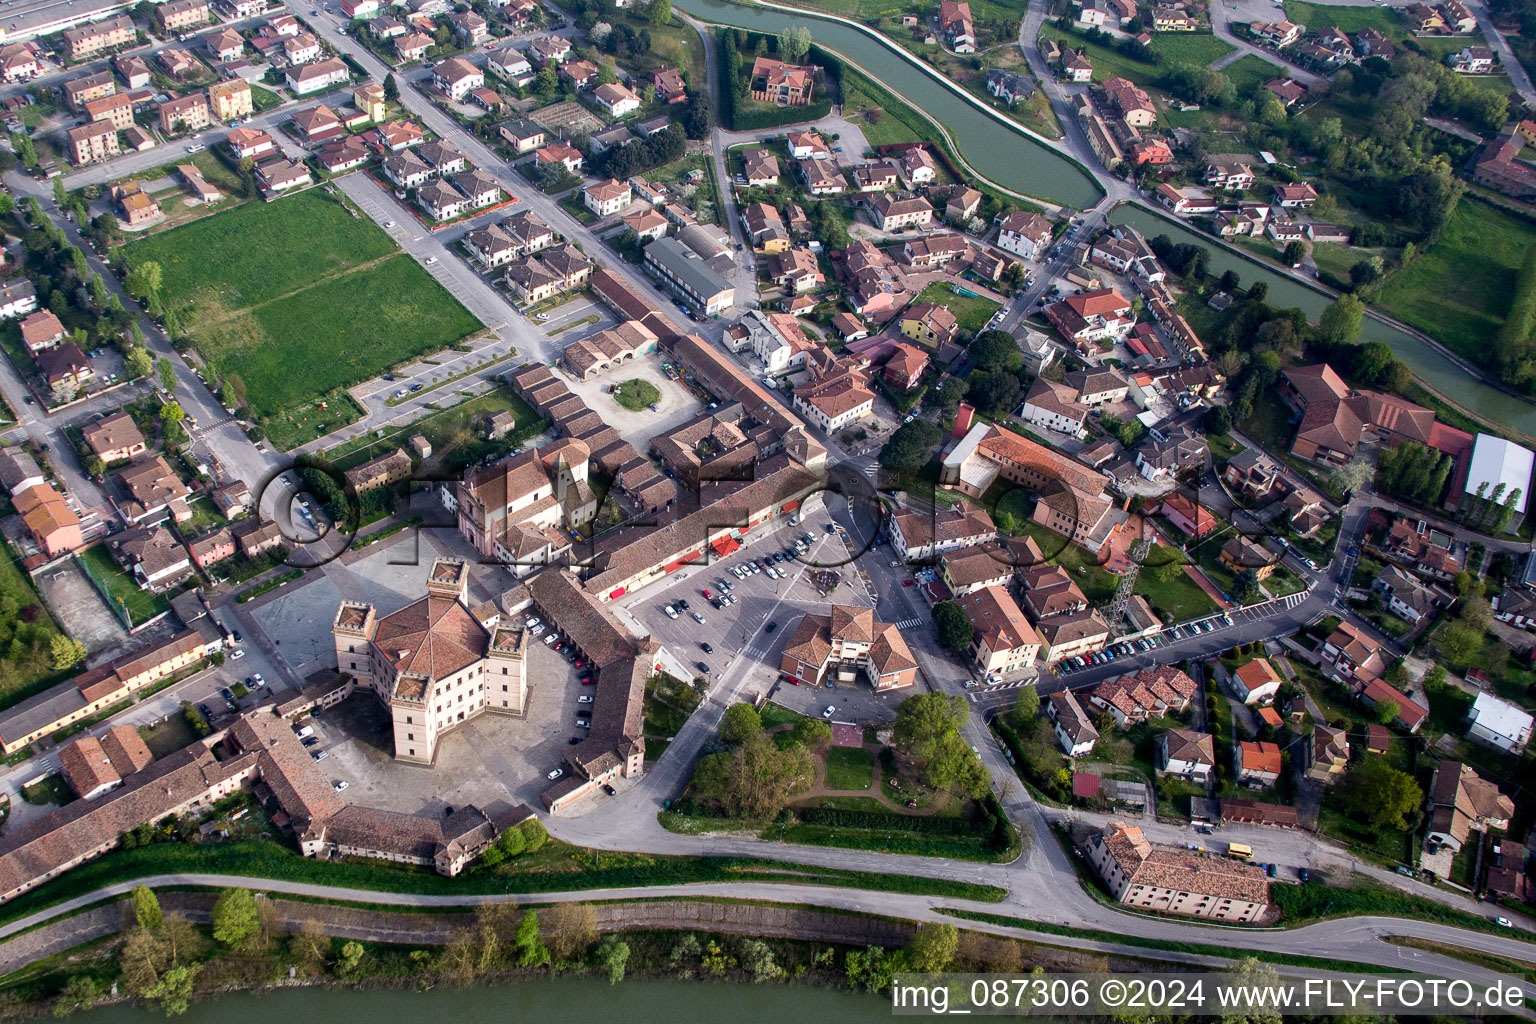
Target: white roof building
pixel 1497 461
pixel 1499 724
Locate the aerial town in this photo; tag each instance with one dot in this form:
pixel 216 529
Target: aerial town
pixel 1067 461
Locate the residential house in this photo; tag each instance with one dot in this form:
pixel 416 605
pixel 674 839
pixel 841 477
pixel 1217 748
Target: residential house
pixel 456 77
pixel 249 142
pixel 49 519
pixel 1175 880
pixel 1002 642
pixel 95 140
pixel 1403 595
pixel 785 85
pixel 1074 729
pixel 933 325
pixel 1462 802
pixel 1025 234
pixel 606 198
pixel 835 399
pixel 904 370
pixel 1257 682
pixel 114 438
pixel 42 330
pixel 1092 316
pixel 1228 173
pixel 616 98
pixel 1258 764
pixel 1499 724
pixel 17 298
pixel 1187 754
pixel 310 78
pixel 669 85
pixel 897 211
pixel 1473 60
pixel 956 24
pixel 795 271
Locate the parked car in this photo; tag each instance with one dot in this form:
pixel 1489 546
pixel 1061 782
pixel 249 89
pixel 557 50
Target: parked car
pixel 706 647
pixel 699 618
pixel 828 711
pixel 339 785
pixel 671 611
pixel 554 774
pixel 771 627
pixel 702 667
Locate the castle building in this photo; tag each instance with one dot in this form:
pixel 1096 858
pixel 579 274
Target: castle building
pixel 432 663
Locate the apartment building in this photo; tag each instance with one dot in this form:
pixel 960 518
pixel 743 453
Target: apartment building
pixel 91 39
pixel 1175 880
pixel 230 100
pixel 693 280
pixel 95 140
pixel 849 641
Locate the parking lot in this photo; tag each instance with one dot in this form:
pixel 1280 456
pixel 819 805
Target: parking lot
pixel 571 312
pixel 492 757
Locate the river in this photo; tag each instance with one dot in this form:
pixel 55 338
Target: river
pixel 548 1001
pixel 993 146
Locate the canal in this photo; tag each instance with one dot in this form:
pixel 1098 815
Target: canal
pixel 546 1000
pixel 995 147
pixel 1429 364
pixel 1001 153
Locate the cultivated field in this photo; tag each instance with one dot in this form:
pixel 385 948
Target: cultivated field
pixel 299 297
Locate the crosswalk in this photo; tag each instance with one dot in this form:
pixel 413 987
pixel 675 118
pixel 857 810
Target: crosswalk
pixel 754 652
pixel 911 623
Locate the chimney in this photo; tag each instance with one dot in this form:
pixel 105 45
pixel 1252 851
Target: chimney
pixel 963 418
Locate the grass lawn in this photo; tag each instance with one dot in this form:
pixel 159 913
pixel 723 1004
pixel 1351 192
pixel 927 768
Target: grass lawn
pixel 636 393
pixel 1175 601
pixel 777 714
pixel 1249 72
pixel 848 768
pixel 1458 290
pixel 299 298
pixel 1197 48
pixel 1222 446
pixel 22 671
pixel 169 736
pixel 972 314
pixel 888 130
pixel 51 789
pixel 141 605
pixel 1349 18
pixel 454 433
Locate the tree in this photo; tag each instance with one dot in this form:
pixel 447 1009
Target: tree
pixel 1459 642
pixel 391 88
pixel 910 446
pixel 756 779
pixel 1218 421
pixel 613 957
pixel 812 734
pixel 1246 587
pixel 1340 322
pixel 234 918
pixel 1294 253
pixel 932 948
pixel 756 958
pixel 1364 273
pixel 955 629
pixel 526 944
pixel 535 835
pixel 1380 795
pixel 698 114
pixel 67 652
pixel 1387 711
pixel 994 393
pixel 172 412
pixel 794 43
pixel 570 928
pixel 658 12
pixel 1260 979
pixel 995 350
pixel 546 83
pixel 146 907
pixel 947 396
pixel 167 371
pixel 79 993
pixel 740 723
pixel 351 956
pixel 143 281
pixel 1027 704
pixel 928 731
pixel 173 992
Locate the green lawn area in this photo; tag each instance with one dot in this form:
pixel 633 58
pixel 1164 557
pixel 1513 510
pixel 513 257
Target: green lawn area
pixel 777 714
pixel 51 789
pixel 1249 72
pixel 299 298
pixel 636 393
pixel 454 433
pixel 1351 19
pixel 24 667
pixel 264 99
pixel 848 767
pixel 1335 258
pixel 888 131
pixel 972 314
pixel 1458 290
pixel 1175 601
pixel 169 736
pixel 1198 48
pixel 141 605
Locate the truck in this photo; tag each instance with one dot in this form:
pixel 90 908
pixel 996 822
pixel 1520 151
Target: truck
pixel 1239 851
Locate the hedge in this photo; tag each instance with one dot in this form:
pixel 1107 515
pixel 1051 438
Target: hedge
pixel 774 117
pixel 933 825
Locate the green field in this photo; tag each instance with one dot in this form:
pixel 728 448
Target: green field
pixel 300 297
pixel 1249 72
pixel 1351 19
pixel 141 605
pixel 848 768
pixel 1198 48
pixel 1458 289
pixel 972 314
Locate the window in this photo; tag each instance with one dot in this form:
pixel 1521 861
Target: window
pixel 407 719
pixel 410 736
pixel 411 752
pixel 503 687
pixel 354 664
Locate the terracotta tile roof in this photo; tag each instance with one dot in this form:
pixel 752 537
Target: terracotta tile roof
pixel 433 637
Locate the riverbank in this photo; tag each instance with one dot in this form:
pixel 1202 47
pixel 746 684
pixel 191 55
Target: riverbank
pixel 286 944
